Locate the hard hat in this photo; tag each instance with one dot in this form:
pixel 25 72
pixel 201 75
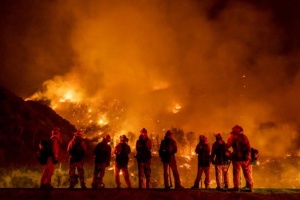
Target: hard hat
pixel 78 133
pixel 143 130
pixel 218 136
pixel 238 127
pixel 203 139
pixel 123 138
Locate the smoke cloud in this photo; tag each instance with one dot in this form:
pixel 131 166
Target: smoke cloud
pixel 200 66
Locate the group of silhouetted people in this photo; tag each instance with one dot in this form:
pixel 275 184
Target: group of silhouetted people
pixel 219 155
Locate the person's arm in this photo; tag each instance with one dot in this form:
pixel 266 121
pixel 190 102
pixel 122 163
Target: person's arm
pixel 138 145
pixel 115 151
pixel 197 149
pixel 229 141
pixel 213 153
pixel 129 150
pixel 208 152
pixel 55 149
pixel 108 156
pixel 83 145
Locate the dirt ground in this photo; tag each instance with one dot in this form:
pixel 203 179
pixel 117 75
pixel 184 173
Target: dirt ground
pixel 152 194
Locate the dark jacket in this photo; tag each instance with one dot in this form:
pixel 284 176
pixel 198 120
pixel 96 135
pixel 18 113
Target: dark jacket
pixel 77 149
pixel 167 149
pixel 122 151
pixel 218 155
pixel 240 145
pixel 203 151
pixel 143 149
pixel 102 153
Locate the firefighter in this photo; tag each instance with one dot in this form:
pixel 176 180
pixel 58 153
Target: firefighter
pixel 220 158
pixel 102 160
pixel 76 150
pixel 203 151
pixel 143 156
pixel 167 150
pixel 48 168
pixel 122 151
pixel 241 157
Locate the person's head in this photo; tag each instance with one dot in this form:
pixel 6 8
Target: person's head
pixel 78 133
pixel 219 138
pixel 55 131
pixel 237 129
pixel 123 139
pixel 169 134
pixel 143 133
pixel 107 138
pixel 203 139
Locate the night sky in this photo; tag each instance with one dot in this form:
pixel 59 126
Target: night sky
pixel 224 62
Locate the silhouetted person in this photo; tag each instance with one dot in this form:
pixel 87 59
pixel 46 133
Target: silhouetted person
pixel 220 159
pixel 241 157
pixel 143 156
pixel 102 161
pixel 167 150
pixel 203 151
pixel 76 150
pixel 48 168
pixel 122 151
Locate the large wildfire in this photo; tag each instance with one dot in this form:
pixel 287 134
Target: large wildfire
pixel 195 67
pixel 173 65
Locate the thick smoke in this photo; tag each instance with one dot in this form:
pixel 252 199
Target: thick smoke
pixel 222 62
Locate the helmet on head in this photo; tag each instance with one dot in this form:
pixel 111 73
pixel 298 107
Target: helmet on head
pixel 55 131
pixel 169 133
pixel 78 133
pixel 123 138
pixel 203 139
pixel 218 136
pixel 143 131
pixel 107 138
pixel 240 129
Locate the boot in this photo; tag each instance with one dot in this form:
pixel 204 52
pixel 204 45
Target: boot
pixel 82 184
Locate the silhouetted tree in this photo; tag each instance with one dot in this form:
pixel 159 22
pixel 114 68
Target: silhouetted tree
pixel 191 138
pixel 179 137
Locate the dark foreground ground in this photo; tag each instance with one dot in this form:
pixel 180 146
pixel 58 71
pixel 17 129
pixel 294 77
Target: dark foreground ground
pixel 152 194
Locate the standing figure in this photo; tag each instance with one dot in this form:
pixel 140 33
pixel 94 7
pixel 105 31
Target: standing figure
pixel 76 150
pixel 122 151
pixel 48 168
pixel 203 151
pixel 143 156
pixel 241 157
pixel 102 160
pixel 220 158
pixel 167 150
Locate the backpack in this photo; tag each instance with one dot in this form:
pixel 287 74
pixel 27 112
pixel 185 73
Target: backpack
pixel 44 151
pixel 76 151
pixel 242 146
pixel 122 158
pixel 254 155
pixel 143 155
pixel 165 150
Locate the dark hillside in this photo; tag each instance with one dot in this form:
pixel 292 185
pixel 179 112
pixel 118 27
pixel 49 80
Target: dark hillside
pixel 22 125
